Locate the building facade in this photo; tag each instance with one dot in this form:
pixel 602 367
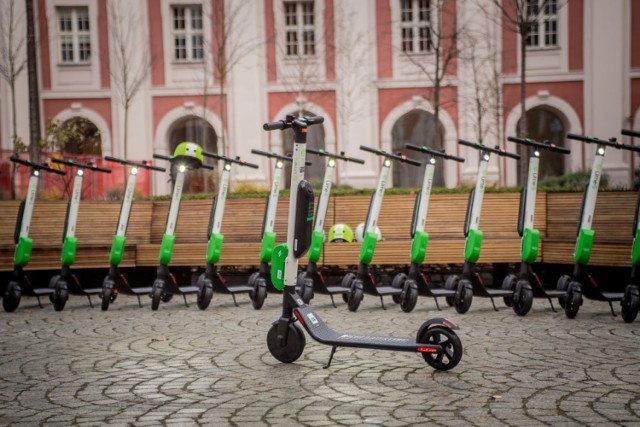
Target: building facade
pixel 383 73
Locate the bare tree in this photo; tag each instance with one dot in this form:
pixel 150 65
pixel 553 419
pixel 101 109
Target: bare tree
pixel 130 60
pixel 34 92
pixel 12 62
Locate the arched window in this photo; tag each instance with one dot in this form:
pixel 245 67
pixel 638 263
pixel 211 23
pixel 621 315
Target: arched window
pixel 82 137
pixel 547 124
pixel 416 127
pixel 315 139
pixel 196 129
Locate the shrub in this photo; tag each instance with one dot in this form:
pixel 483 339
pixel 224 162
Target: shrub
pixel 574 181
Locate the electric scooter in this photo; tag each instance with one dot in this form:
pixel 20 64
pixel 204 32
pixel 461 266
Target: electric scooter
pixel 211 280
pixel 268 221
pixel 363 281
pixel 66 282
pixel 581 282
pixel 187 156
pixel 631 298
pixel 415 278
pixel 116 282
pixel 20 284
pixel 312 280
pixel 471 282
pixel 527 281
pixel 436 340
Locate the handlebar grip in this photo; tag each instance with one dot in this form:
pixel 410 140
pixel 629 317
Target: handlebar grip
pixel 468 143
pixel 250 165
pixel 100 169
pixel 369 149
pixel 582 138
pixel 115 159
pixel 155 168
pixel 354 160
pixel 507 154
pixel 630 132
pixel 411 162
pixel 314 120
pixel 205 166
pixel 562 150
pixel 161 157
pixel 279 125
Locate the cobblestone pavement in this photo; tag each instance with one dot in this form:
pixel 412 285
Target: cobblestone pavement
pixel 183 366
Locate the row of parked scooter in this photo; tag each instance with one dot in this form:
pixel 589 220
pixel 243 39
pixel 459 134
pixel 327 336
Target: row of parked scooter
pixel 517 290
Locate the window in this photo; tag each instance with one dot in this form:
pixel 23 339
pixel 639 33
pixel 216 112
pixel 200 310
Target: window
pixel 415 26
pixel 74 36
pixel 544 29
pixel 300 35
pixel 188 38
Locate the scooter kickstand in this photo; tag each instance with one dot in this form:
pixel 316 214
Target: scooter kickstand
pixel 333 351
pixel 552 307
pixel 185 300
pixel 382 302
pixel 234 300
pixel 39 303
pixel 333 301
pixel 613 313
pixel 493 304
pixel 437 305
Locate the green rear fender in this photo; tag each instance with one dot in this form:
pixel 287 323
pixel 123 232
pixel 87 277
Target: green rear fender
pixel 166 249
pixel 267 246
pixel 69 251
pixel 214 249
pixel 635 251
pixel 23 252
pixel 530 245
pixel 368 247
pixel 473 245
pixel 419 247
pixel 315 249
pixel 117 250
pixel 584 244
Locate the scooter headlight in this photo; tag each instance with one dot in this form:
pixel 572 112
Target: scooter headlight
pixel 432 161
pixel 279 164
pixel 80 172
pixel 536 153
pixel 387 162
pixel 486 157
pixel 134 171
pixel 332 162
pixel 227 167
pixel 36 173
pixel 182 168
pixel 601 151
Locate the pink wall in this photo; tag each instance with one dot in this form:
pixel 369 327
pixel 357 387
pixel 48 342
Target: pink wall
pixel 270 50
pixel 576 35
pixel 103 44
pixel 155 35
pixel 329 35
pixel 325 99
pixel 43 32
pixel 635 34
pixel 383 47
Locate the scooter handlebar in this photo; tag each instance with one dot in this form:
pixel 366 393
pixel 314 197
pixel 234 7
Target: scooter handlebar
pixel 162 157
pixel 230 160
pixel 537 144
pixel 45 167
pixel 495 150
pixel 340 156
pixel 89 166
pixel 400 158
pixel 142 164
pixel 290 120
pixel 435 153
pixel 271 155
pixel 630 132
pixel 611 142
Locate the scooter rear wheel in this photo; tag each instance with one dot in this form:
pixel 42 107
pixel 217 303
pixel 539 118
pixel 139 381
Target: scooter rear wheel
pixel 292 350
pixel 156 294
pixel 259 293
pixel 463 304
pixel 346 283
pixel 355 295
pixel 630 304
pixel 574 300
pixel 523 304
pixel 563 285
pixel 306 290
pixel 398 283
pixel 301 277
pixel 252 278
pixel 451 284
pixel 448 340
pixel 11 299
pixel 409 296
pixel 509 284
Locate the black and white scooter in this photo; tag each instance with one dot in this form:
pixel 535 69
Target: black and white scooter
pixel 66 282
pixel 471 282
pixel 212 280
pixel 436 340
pixel 631 298
pixel 527 280
pixel 116 282
pixel 415 278
pixel 312 280
pixel 581 282
pixel 364 281
pixel 20 285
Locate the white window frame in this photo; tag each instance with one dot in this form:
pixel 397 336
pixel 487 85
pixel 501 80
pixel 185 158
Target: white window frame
pixel 540 30
pixel 415 25
pixel 187 33
pixel 75 34
pixel 300 29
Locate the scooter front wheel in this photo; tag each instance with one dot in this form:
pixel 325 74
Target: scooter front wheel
pixel 563 285
pixel 630 304
pixel 445 338
pixel 156 294
pixel 259 293
pixel 451 284
pixel 346 283
pixel 355 295
pixel 107 295
pixel 574 300
pixel 409 296
pixel 464 297
pixel 523 303
pixel 295 342
pixel 60 295
pixel 398 283
pixel 11 299
pixel 205 293
pixel 509 284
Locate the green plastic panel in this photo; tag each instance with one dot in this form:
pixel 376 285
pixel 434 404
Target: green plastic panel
pixel 23 252
pixel 166 248
pixel 69 251
pixel 278 260
pixel 583 246
pixel 315 249
pixel 530 245
pixel 117 249
pixel 473 245
pixel 635 251
pixel 268 243
pixel 214 249
pixel 419 246
pixel 368 247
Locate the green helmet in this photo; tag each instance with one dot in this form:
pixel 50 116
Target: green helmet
pixel 340 233
pixel 189 154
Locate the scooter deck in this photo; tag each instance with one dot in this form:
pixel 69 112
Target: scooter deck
pixel 38 291
pixel 322 333
pixel 134 291
pixel 85 291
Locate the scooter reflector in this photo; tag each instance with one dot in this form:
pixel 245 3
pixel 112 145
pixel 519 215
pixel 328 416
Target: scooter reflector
pixel 278 261
pixel 117 250
pixel 530 245
pixel 23 251
pixel 419 246
pixel 473 245
pixel 304 219
pixel 583 246
pixel 635 251
pixel 214 248
pixel 266 248
pixel 69 251
pixel 315 250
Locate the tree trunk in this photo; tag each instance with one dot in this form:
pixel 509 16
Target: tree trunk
pixel 14 137
pixel 34 95
pixel 522 131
